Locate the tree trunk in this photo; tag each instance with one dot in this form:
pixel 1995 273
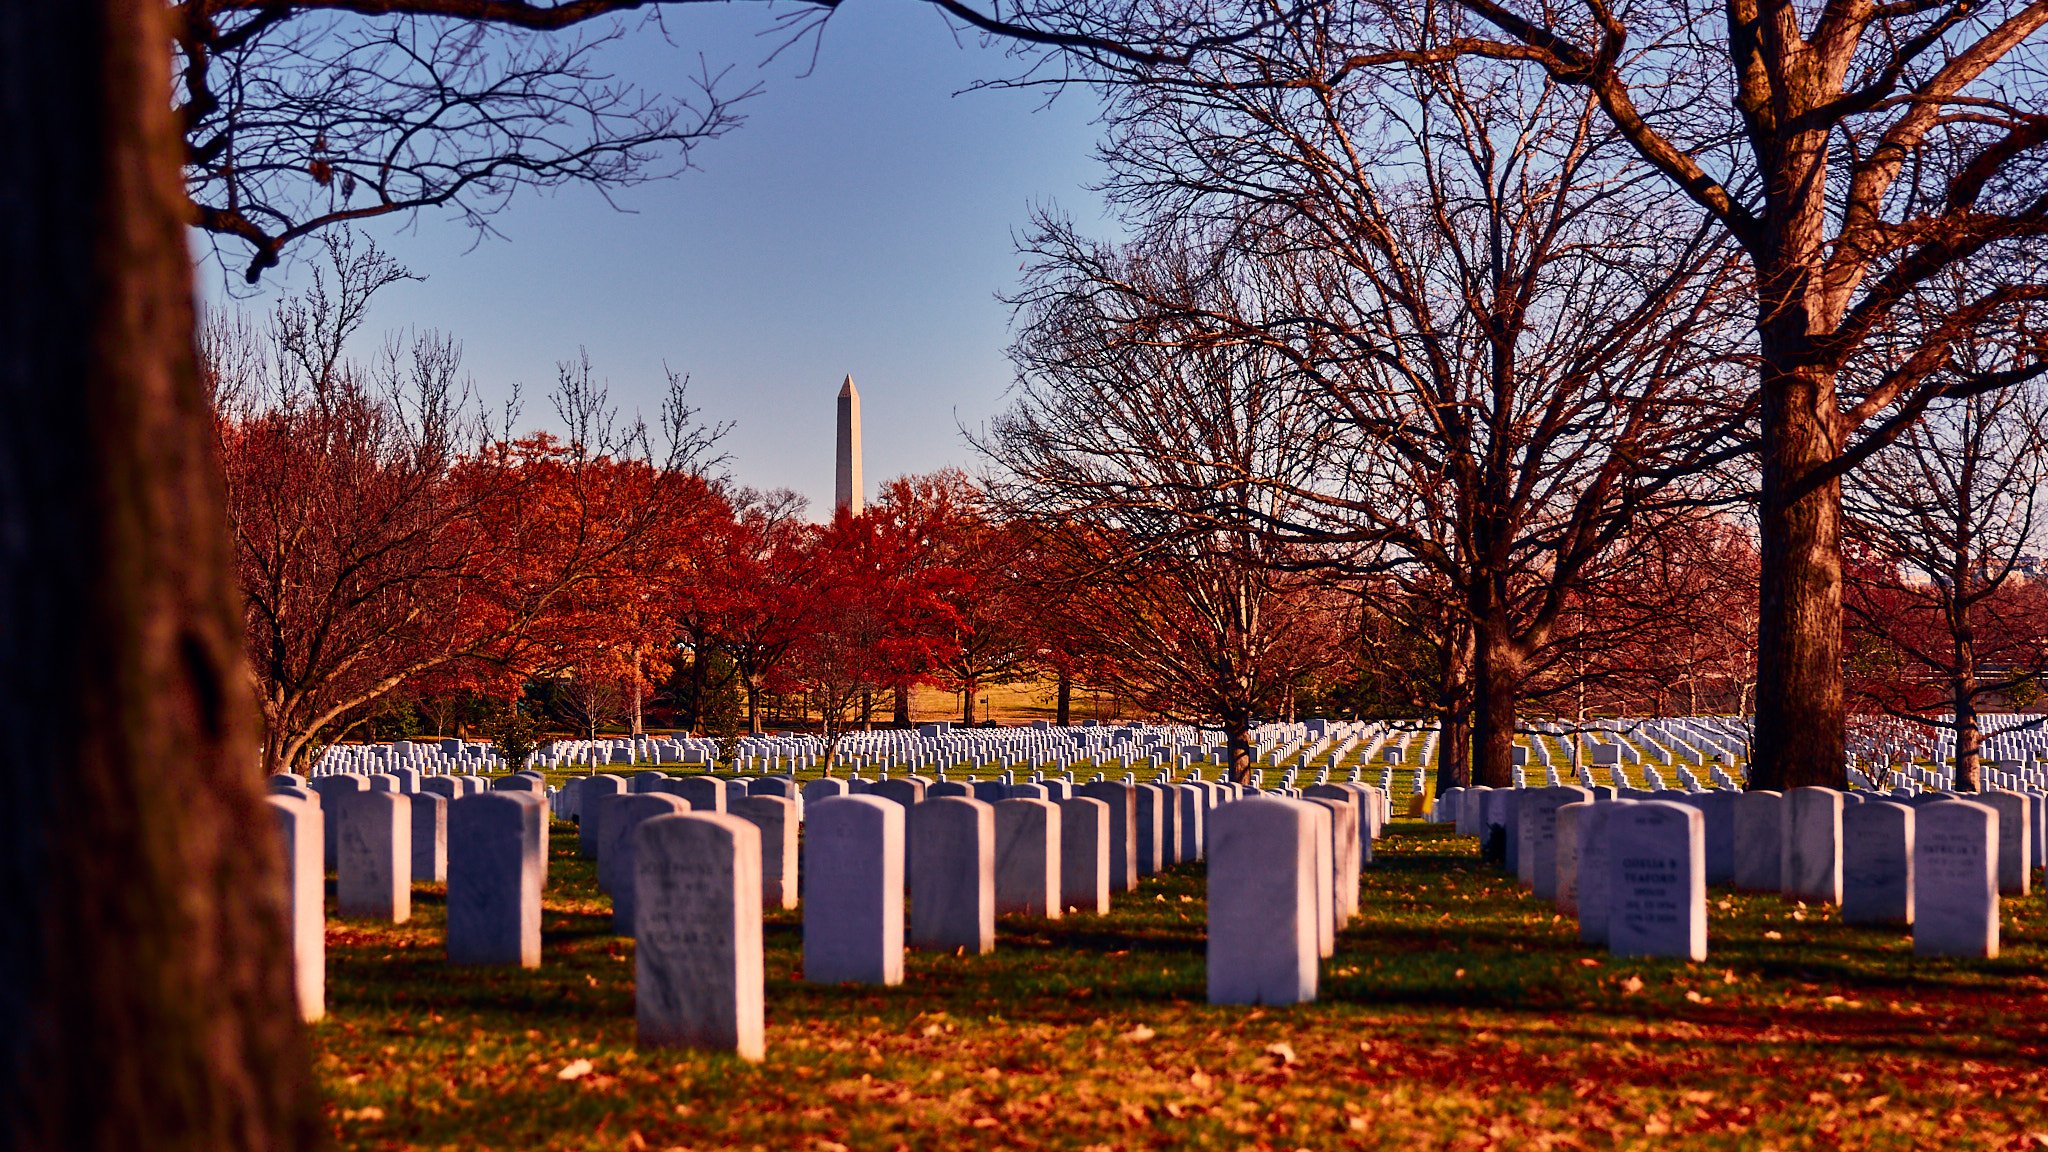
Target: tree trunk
pixel 753 707
pixel 901 718
pixel 1454 702
pixel 1237 732
pixel 1454 752
pixel 1496 684
pixel 638 728
pixel 148 1001
pixel 1800 726
pixel 1063 700
pixel 967 707
pixel 1969 735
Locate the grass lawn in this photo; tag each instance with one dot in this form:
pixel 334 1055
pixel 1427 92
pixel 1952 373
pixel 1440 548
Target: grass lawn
pixel 1457 1013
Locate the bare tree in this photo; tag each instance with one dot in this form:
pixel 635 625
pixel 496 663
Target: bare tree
pixel 1947 514
pixel 1513 336
pixel 1853 153
pixel 148 1000
pixel 1154 450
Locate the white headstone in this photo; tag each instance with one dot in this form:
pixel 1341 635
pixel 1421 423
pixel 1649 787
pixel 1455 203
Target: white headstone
pixel 1027 862
pixel 1877 864
pixel 1594 869
pixel 2015 839
pixel 697 961
pixel 1150 818
pixel 494 881
pixel 1265 902
pixel 1955 880
pixel 429 837
pixel 1657 881
pixel 952 845
pixel 620 817
pixel 593 792
pixel 853 891
pixel 1084 855
pixel 305 887
pixel 1344 847
pixel 1536 862
pixel 1760 841
pixel 1813 845
pixel 776 817
pixel 1123 831
pixel 373 867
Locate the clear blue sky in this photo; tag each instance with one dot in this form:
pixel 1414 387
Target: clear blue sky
pixel 862 220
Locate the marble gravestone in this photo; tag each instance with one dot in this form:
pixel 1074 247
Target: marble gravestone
pixel 590 811
pixel 333 792
pixel 2015 839
pixel 429 837
pixel 1193 803
pixel 1471 817
pixel 1567 859
pixel 1877 864
pixel 1123 831
pixel 697 963
pixel 776 818
pixel 1084 856
pixel 824 788
pixel 1265 902
pixel 1718 809
pixel 494 880
pixel 1325 849
pixel 1812 845
pixel 1760 841
pixel 305 885
pixel 1593 868
pixel 1657 881
pixel 951 844
pixel 1151 828
pixel 853 891
pixel 903 791
pixel 1955 880
pixel 1536 862
pixel 1344 855
pixel 704 793
pixel 621 818
pixel 1027 860
pixel 373 865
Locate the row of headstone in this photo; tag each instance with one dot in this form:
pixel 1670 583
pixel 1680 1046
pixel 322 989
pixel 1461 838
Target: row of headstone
pixel 1634 867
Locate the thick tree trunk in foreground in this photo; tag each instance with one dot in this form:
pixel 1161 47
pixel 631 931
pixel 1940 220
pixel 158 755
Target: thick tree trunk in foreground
pixel 1800 726
pixel 146 992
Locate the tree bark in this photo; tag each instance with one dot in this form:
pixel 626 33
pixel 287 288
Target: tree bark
pixel 1063 700
pixel 901 716
pixel 1237 730
pixel 967 708
pixel 1496 680
pixel 1801 728
pixel 1969 735
pixel 1454 702
pixel 148 998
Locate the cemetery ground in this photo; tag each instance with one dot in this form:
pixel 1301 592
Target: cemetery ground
pixel 1458 1012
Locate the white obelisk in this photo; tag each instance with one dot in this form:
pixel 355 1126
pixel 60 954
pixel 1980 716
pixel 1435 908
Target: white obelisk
pixel 846 492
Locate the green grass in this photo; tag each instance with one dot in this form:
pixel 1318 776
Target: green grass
pixel 1458 1013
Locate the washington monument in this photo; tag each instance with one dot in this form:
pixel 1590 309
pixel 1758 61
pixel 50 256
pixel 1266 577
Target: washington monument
pixel 846 492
